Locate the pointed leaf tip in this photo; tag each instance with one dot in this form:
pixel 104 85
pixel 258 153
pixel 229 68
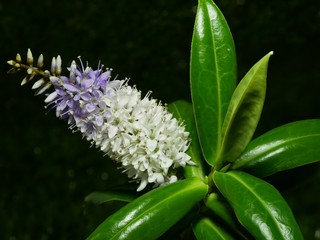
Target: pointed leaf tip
pixel 243 112
pixel 289 146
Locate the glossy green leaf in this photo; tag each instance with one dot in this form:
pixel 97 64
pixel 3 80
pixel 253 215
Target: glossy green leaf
pixel 183 110
pixel 102 197
pixel 244 112
pixel 205 228
pixel 161 207
pixel 212 75
pixel 259 207
pixel 221 208
pixel 289 146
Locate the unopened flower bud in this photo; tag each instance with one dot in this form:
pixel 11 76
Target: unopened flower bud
pixel 29 71
pixel 58 65
pixel 11 62
pixel 18 58
pixel 38 83
pixel 29 57
pixel 53 66
pixel 40 61
pixel 44 88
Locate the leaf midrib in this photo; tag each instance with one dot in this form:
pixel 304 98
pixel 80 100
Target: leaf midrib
pixel 218 92
pixel 236 107
pixel 259 200
pixel 274 147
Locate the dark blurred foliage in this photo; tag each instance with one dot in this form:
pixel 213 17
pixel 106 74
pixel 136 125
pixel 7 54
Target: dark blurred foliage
pixel 46 170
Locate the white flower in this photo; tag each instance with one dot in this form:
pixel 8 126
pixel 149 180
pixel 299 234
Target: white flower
pixel 140 134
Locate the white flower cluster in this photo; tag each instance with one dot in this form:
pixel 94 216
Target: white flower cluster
pixel 141 135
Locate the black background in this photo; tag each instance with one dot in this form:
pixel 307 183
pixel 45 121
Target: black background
pixel 46 170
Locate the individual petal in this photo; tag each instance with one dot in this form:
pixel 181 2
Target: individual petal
pixel 70 87
pixel 90 107
pixel 85 96
pixel 151 144
pixel 99 120
pixel 112 130
pixel 87 83
pixel 143 184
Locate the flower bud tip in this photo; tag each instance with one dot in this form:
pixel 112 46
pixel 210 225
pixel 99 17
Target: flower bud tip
pixel 29 57
pixel 18 57
pixel 11 62
pixel 40 61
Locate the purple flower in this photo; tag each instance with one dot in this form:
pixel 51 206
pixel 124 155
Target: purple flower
pixel 77 97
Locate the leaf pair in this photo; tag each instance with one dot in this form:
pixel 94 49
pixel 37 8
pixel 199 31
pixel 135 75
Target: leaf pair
pixel 226 118
pixel 212 76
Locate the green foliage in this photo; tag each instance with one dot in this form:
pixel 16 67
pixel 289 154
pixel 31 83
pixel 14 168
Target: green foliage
pixel 183 110
pixel 243 113
pixel 153 213
pixel 222 209
pixel 222 120
pixel 259 207
pixel 205 228
pixel 286 147
pixel 212 75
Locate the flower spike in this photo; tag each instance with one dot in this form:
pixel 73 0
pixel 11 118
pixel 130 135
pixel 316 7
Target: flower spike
pixel 135 131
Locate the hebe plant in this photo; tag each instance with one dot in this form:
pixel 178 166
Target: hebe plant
pixel 222 195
